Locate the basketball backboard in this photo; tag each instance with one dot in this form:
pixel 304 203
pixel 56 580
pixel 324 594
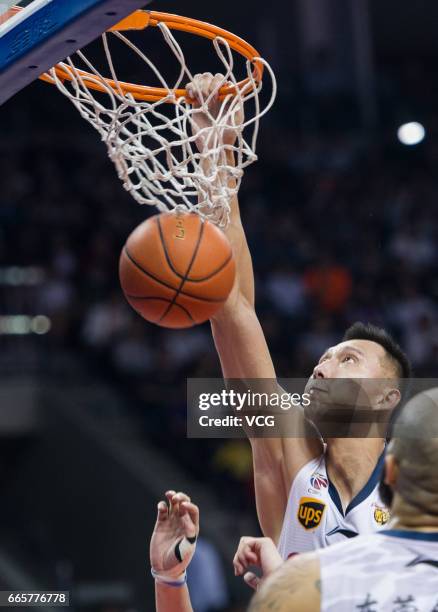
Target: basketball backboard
pixel 45 32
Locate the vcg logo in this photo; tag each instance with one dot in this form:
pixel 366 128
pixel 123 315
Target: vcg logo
pixel 310 512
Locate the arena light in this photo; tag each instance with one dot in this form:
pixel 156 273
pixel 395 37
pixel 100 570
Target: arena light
pixel 21 325
pixel 411 133
pixel 40 324
pixel 18 276
pixel 15 325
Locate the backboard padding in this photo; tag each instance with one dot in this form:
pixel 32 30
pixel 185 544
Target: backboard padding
pixel 50 34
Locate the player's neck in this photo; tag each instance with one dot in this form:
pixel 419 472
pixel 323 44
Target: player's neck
pixel 350 463
pixel 406 516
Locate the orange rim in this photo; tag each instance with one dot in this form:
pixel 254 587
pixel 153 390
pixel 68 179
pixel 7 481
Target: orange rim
pixel 140 20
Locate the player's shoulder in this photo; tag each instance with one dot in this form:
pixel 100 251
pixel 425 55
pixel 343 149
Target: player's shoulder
pixel 318 461
pixel 353 549
pixel 310 477
pixel 313 469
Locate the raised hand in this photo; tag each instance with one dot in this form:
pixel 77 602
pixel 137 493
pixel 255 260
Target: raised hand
pixel 259 552
pixel 173 541
pixel 204 95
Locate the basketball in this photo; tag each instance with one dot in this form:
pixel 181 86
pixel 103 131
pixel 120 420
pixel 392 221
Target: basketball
pixel 177 270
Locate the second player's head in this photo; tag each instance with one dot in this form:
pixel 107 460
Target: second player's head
pixel 411 464
pixel 367 369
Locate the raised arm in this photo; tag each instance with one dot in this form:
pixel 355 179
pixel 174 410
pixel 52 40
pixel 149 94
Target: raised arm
pixel 244 354
pixel 171 550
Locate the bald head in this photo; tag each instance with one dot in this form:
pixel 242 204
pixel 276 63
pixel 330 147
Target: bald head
pixel 414 446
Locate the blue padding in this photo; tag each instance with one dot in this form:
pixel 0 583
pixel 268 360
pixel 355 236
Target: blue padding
pixel 51 34
pixel 43 24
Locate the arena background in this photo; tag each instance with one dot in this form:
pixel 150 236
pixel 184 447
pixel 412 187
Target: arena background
pixel 341 222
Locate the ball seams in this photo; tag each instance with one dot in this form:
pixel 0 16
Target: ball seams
pixel 172 267
pixel 192 261
pixel 161 282
pixel 160 299
pixel 162 259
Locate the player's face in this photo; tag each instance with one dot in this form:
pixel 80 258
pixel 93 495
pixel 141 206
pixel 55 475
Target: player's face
pixel 352 359
pixel 338 380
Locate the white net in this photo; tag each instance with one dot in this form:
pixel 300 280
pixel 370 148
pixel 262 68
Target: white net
pixel 156 146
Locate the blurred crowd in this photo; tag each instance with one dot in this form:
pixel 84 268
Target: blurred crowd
pixel 341 226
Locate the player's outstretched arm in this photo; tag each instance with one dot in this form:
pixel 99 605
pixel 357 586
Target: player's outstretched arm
pixel 244 354
pixel 294 587
pixel 172 547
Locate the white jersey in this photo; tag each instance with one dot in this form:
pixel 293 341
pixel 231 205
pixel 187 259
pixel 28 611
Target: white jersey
pixel 314 516
pixel 391 571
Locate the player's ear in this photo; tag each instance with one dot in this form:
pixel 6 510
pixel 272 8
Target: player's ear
pixel 392 399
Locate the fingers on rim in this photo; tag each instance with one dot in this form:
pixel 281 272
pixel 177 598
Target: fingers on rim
pixel 196 92
pixel 217 80
pixel 199 85
pixel 209 83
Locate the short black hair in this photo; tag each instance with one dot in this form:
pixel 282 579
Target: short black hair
pixel 368 331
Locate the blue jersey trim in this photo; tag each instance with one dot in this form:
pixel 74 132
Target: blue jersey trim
pixel 333 492
pixel 368 488
pixel 411 535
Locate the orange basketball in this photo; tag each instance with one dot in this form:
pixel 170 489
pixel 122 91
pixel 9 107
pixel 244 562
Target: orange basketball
pixel 177 270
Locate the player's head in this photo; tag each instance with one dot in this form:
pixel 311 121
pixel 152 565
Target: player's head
pixel 411 463
pixel 366 351
pixel 371 357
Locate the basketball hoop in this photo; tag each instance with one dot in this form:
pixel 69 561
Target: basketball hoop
pixel 148 130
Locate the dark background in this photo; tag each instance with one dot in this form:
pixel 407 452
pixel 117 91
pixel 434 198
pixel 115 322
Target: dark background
pixel 341 223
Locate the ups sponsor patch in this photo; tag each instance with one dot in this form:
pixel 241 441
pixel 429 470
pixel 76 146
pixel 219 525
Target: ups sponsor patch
pixel 310 512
